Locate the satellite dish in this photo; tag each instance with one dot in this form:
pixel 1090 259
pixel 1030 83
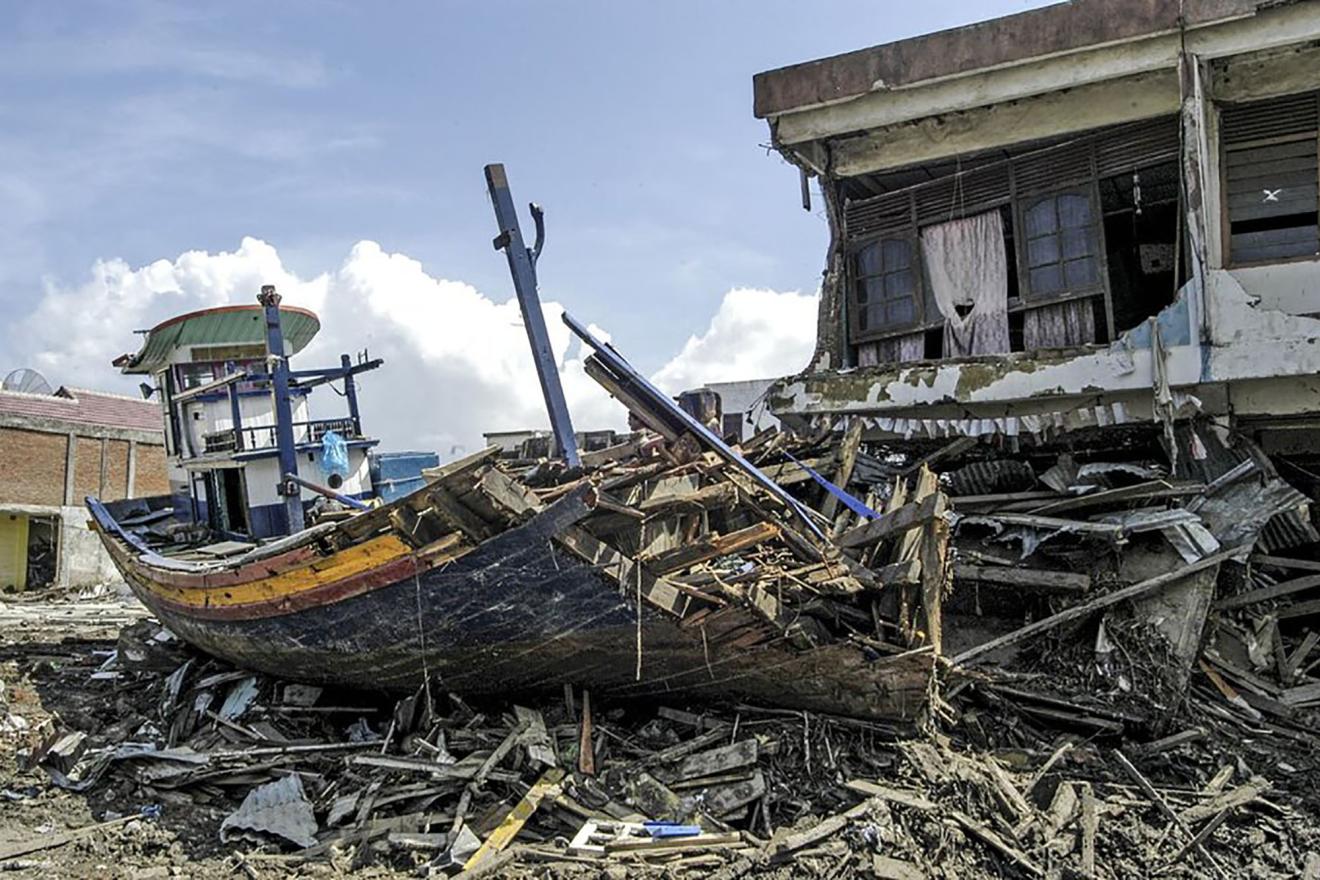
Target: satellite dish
pixel 28 381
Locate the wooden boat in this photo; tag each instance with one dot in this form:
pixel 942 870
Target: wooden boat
pixel 483 585
pixel 687 572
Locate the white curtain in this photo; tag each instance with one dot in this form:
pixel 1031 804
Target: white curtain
pixel 897 350
pixel 1059 326
pixel 968 273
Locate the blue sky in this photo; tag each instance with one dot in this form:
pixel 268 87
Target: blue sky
pixel 139 130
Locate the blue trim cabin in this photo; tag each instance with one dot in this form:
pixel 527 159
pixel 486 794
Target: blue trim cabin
pixel 227 390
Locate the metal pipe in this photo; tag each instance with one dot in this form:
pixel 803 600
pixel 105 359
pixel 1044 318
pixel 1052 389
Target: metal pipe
pixel 327 492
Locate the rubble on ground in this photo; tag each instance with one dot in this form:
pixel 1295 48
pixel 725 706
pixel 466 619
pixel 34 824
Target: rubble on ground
pixel 1124 647
pixel 291 775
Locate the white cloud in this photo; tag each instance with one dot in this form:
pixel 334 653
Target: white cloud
pixel 756 334
pixel 456 362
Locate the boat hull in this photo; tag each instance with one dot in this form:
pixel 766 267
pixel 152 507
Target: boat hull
pixel 518 613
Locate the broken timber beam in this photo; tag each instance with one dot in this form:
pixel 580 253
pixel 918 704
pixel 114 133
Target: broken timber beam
pixel 1264 594
pixel 512 823
pixel 1077 612
pixel 909 516
pixel 1057 581
pixel 712 548
pixel 852 439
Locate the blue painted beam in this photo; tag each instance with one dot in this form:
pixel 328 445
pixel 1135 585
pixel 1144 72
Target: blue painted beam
pixel 279 368
pixel 674 415
pixel 235 416
pixel 522 265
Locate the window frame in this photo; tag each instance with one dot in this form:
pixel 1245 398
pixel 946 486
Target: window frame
pixel 905 234
pixel 1022 202
pixel 1225 212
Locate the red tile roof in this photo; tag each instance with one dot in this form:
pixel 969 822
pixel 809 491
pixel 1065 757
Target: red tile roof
pixel 81 406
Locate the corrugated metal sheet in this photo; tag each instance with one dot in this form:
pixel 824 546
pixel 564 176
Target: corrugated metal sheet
pixel 227 325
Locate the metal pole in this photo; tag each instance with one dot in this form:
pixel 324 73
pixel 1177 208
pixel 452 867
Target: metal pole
pixel 522 265
pixel 279 372
pixel 350 392
pixel 236 416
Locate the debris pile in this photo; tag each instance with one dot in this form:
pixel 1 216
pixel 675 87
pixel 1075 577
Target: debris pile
pixel 1088 653
pixel 437 785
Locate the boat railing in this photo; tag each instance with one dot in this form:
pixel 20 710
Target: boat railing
pixel 251 437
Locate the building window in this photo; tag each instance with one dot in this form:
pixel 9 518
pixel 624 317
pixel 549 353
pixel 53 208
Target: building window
pixel 195 374
pixel 1061 242
pixel 885 286
pixel 1270 178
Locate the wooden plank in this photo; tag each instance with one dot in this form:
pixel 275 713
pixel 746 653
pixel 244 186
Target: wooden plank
pixel 909 516
pixel 507 494
pixel 1300 609
pixel 1304 693
pixel 586 747
pixel 457 515
pixel 1077 612
pixel 1235 797
pixel 956 446
pixel 904 798
pixel 1285 562
pixel 889 868
pixel 716 495
pixel 598 457
pixel 710 763
pixel 999 499
pixel 1298 657
pixel 625 571
pixel 1150 491
pixel 1055 524
pixel 460 465
pixel 934 558
pixel 1055 581
pixel 852 440
pixel 703 551
pixel 896 573
pixel 833 825
pixel 1265 594
pixel 1090 823
pixel 537 739
pixel 643 412
pixel 512 823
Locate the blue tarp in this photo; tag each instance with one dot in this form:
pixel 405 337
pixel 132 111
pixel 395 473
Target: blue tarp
pixel 334 454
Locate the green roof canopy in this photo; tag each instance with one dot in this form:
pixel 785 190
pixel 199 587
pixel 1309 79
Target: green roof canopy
pixel 225 325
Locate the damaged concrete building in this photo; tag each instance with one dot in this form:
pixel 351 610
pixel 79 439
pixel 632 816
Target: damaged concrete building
pixel 1096 207
pixel 1075 250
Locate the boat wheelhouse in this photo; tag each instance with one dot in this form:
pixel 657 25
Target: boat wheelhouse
pixel 240 423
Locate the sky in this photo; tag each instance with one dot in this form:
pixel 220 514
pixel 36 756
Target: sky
pixel 159 157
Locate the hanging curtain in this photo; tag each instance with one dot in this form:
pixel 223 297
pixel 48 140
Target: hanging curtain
pixel 1059 326
pixel 968 273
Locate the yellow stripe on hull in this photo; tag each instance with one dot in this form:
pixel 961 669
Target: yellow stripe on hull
pixel 345 564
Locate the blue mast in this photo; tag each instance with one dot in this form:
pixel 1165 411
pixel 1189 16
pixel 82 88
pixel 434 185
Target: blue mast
pixel 522 265
pixel 289 490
